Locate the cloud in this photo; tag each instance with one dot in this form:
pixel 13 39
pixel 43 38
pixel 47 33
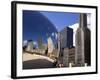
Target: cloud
pixel 89 21
pixel 74 27
pixel 35 43
pixel 25 42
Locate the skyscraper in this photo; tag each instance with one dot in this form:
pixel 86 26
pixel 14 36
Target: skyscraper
pixel 50 45
pixel 30 45
pixel 83 54
pixel 40 43
pixel 65 41
pixel 69 56
pixel 66 38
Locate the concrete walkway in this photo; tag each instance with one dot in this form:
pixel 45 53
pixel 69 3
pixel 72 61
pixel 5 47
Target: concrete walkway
pixel 33 61
pixel 27 56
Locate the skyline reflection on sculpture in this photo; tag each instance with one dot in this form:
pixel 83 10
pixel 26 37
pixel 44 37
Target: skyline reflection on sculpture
pixel 58 45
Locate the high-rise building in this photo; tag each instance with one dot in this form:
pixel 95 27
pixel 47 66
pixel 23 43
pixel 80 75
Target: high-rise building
pixel 40 43
pixel 69 56
pixel 50 45
pixel 66 38
pixel 83 43
pixel 30 45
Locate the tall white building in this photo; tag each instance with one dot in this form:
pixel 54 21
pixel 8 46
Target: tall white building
pixel 50 45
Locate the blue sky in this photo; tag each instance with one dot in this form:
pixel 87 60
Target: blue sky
pixel 37 24
pixel 61 19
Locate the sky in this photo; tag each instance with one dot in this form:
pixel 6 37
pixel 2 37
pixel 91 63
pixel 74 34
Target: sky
pixel 62 19
pixel 37 23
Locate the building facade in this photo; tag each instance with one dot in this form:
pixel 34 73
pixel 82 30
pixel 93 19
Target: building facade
pixel 40 43
pixel 50 45
pixel 29 46
pixel 83 43
pixel 69 56
pixel 66 38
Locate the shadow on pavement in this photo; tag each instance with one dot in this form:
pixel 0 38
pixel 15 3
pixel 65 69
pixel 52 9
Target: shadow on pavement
pixel 37 64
